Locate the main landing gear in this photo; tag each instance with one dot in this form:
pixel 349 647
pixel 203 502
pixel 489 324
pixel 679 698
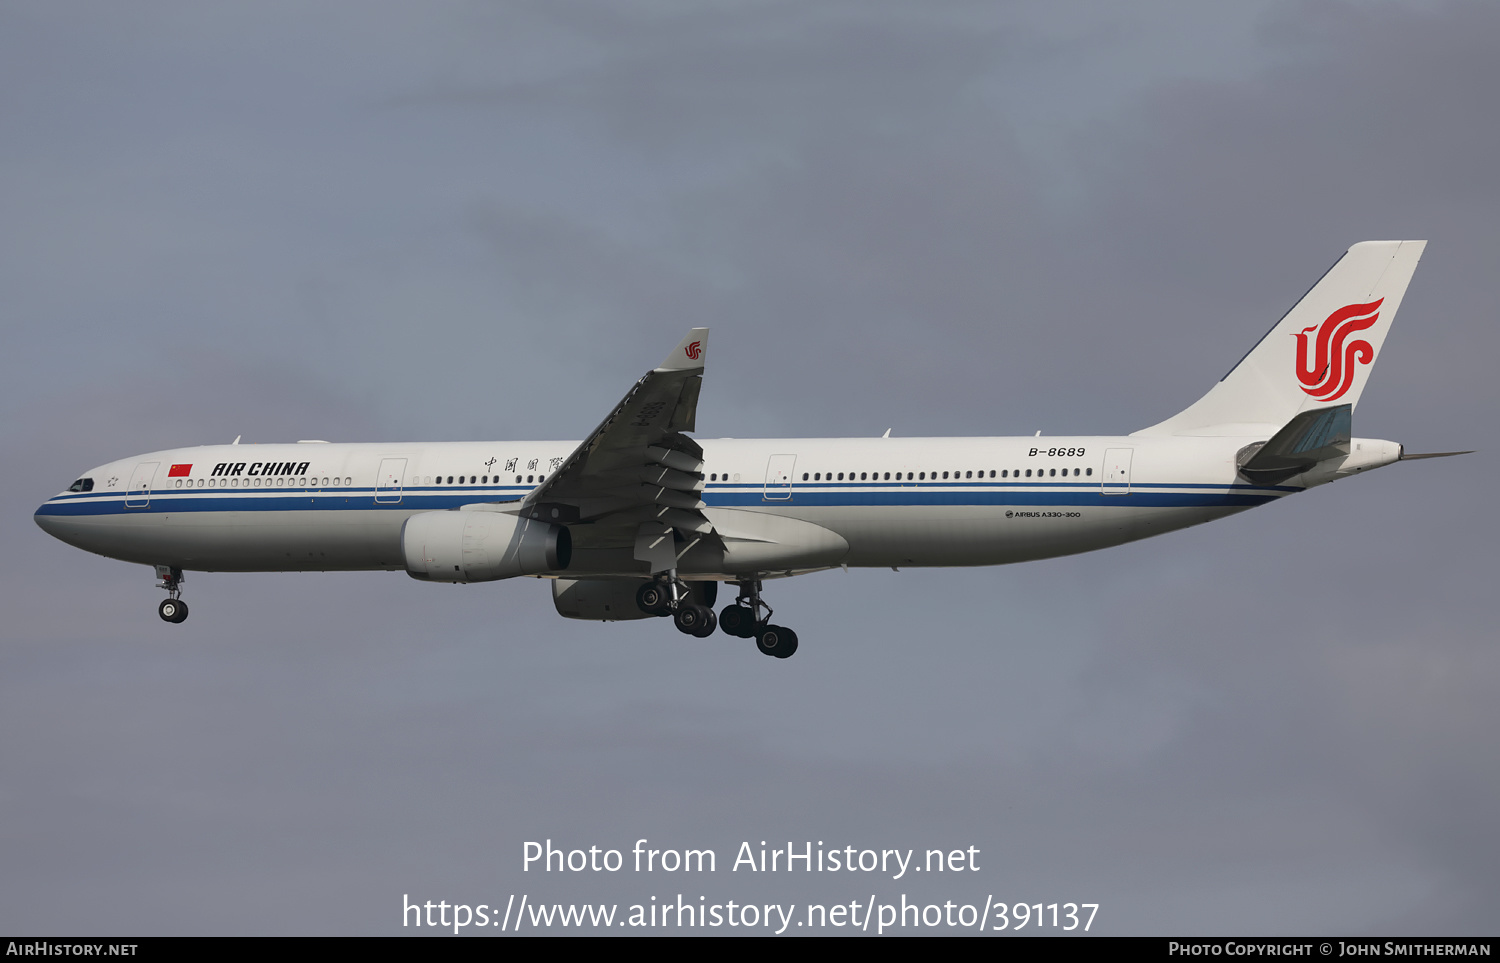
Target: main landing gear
pixel 748 617
pixel 173 608
pixel 743 619
pixel 673 597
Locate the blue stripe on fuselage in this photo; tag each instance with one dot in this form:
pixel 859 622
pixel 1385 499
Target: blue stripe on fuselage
pixel 220 501
pixel 1080 499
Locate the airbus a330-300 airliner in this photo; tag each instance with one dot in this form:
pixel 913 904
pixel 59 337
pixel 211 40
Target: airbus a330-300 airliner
pixel 641 520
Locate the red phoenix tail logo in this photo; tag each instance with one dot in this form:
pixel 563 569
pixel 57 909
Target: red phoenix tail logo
pixel 694 350
pixel 1330 370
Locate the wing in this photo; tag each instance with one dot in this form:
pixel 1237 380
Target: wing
pixel 638 477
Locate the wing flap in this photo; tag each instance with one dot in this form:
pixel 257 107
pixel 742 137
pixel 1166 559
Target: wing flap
pixel 673 458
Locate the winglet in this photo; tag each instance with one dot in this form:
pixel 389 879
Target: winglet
pixel 689 353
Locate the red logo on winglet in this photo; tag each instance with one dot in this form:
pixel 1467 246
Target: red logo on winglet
pixel 1330 371
pixel 693 350
pixel 180 471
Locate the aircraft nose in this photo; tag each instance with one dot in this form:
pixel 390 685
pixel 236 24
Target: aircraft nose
pixel 46 521
pixel 58 517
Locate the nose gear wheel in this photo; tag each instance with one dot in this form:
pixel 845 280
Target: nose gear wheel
pixel 173 609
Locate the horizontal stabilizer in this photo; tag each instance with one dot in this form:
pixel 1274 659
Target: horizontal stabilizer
pixel 1307 439
pixel 1413 456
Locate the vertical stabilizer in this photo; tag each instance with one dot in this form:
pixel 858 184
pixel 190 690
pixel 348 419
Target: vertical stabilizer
pixel 1317 356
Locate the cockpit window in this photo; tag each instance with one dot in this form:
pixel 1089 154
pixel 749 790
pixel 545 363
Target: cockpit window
pixel 82 485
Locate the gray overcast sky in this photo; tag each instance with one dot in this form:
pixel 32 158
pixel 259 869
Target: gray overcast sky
pixel 452 220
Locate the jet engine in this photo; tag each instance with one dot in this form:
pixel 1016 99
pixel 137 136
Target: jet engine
pixel 481 546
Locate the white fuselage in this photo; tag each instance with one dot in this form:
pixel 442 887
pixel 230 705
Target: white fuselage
pixel 782 506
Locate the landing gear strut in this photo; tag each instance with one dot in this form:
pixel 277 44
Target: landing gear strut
pixel 744 620
pixel 670 596
pixel 747 614
pixel 173 609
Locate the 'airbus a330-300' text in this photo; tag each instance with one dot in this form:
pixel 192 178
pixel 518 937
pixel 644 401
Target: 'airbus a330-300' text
pixel 641 520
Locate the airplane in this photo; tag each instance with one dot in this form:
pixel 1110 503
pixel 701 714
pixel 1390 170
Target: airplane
pixel 639 520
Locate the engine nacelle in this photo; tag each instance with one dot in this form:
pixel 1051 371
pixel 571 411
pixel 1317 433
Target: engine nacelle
pixel 478 546
pixel 613 599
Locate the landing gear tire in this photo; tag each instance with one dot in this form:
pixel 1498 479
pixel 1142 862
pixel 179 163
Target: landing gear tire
pixel 738 621
pixel 172 610
pixel 695 620
pixel 653 598
pixel 777 640
pixel 710 623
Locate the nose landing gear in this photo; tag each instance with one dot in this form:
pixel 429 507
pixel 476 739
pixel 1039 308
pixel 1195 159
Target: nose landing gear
pixel 173 608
